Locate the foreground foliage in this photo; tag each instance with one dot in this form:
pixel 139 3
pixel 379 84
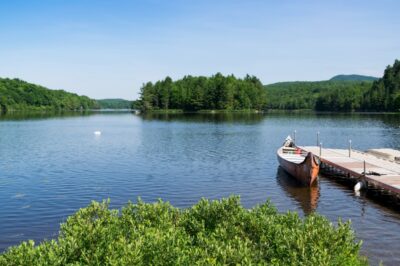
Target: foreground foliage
pixel 209 233
pixel 17 94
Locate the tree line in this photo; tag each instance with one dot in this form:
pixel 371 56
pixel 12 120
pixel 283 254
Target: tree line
pixel 382 95
pixel 217 92
pixel 319 95
pixel 16 94
pixel 385 92
pixel 220 92
pixel 115 104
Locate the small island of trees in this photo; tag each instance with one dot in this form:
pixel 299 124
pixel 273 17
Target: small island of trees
pixel 204 93
pixel 115 104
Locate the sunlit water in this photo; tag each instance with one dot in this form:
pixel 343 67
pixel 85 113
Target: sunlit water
pixel 52 166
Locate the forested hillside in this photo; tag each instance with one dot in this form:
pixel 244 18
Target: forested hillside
pixel 348 96
pixel 339 95
pixel 382 96
pixel 16 94
pixel 353 77
pixel 385 93
pixel 204 93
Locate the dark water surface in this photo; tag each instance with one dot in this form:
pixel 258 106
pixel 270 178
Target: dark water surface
pixel 52 166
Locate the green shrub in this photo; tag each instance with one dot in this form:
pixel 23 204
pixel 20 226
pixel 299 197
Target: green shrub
pixel 208 233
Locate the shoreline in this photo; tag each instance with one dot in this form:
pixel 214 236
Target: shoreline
pixel 267 111
pixel 180 111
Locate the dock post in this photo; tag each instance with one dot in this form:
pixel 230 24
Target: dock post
pixel 364 169
pixel 317 138
pixel 362 183
pixel 320 149
pixel 294 136
pixel 350 148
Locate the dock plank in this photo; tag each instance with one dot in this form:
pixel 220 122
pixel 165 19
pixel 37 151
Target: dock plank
pixel 388 171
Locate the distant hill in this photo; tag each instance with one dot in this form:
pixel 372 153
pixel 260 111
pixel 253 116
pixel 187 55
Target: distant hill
pixel 16 94
pixel 353 77
pixel 114 104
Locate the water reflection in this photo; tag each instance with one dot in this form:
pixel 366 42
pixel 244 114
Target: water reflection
pixel 391 120
pixel 21 115
pixel 306 197
pixel 239 117
pixel 39 115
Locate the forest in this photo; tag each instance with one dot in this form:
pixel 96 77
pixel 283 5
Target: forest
pixel 217 92
pixel 342 94
pixel 16 94
pixel 384 94
pixel 114 104
pixel 318 95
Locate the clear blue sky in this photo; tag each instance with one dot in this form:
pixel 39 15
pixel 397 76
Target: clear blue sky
pixel 109 48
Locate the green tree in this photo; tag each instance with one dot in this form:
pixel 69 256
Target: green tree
pixel 195 93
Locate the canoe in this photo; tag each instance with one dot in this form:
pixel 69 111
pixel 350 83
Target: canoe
pixel 302 166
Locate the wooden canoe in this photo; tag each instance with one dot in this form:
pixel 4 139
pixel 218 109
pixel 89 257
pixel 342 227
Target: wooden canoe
pixel 304 167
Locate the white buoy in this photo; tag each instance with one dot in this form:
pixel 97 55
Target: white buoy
pixel 360 185
pixel 97 133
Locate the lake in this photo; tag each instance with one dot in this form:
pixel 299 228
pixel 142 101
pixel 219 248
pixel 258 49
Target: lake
pixel 50 166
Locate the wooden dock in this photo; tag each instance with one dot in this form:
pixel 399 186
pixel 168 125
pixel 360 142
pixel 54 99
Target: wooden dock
pixel 381 172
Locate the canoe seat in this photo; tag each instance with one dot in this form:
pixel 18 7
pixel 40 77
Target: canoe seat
pixel 288 149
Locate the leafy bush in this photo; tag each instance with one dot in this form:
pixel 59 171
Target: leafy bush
pixel 208 233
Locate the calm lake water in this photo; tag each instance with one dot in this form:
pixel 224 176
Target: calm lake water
pixel 52 166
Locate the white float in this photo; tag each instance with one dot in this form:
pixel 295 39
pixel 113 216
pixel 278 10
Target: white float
pixel 359 186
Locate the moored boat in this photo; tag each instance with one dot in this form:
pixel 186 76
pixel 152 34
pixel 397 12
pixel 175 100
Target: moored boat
pixel 304 166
